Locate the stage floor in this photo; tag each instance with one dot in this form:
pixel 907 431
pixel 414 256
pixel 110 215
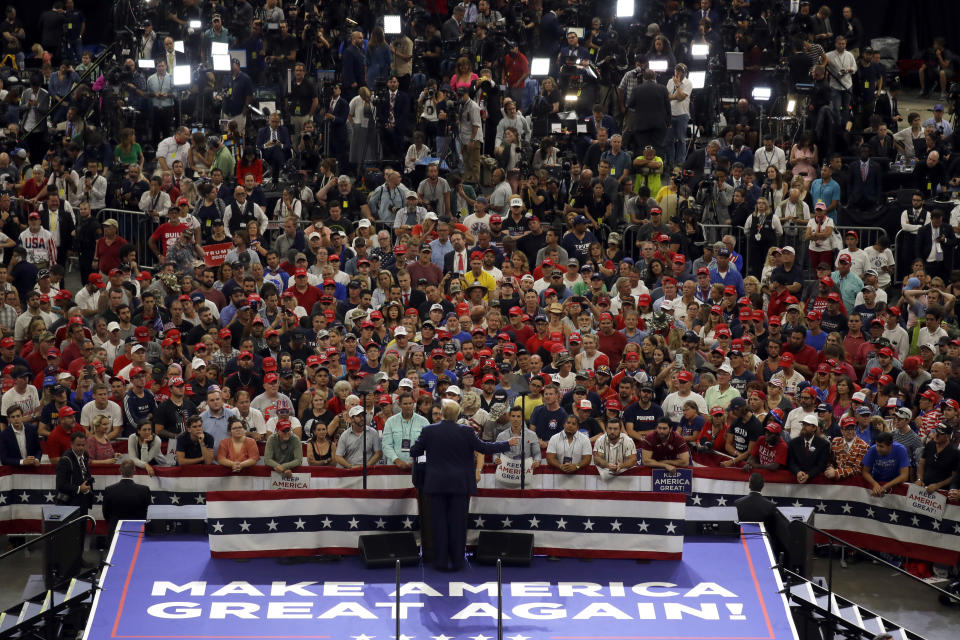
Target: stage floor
pixel 170 588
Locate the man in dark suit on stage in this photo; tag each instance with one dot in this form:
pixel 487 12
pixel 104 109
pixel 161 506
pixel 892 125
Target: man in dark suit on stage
pixel 753 507
pixel 125 500
pixel 273 141
pixel 450 480
pixel 74 481
pixel 397 120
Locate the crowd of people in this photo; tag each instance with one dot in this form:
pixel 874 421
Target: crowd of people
pixel 341 314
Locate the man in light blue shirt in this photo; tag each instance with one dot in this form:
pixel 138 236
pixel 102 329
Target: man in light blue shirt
pixel 400 431
pixel 215 416
pixel 160 87
pixel 848 283
pixel 826 190
pixel 440 247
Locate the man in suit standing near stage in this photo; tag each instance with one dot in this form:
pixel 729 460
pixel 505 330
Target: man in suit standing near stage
pixel 125 500
pixel 753 507
pixel 450 480
pixel 74 481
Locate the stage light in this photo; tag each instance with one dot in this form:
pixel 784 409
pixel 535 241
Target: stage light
pixel 392 26
pixel 220 48
pixel 181 75
pixel 699 51
pixel 178 46
pixel 195 24
pixel 571 97
pixel 625 8
pixel 762 93
pixel 658 65
pixel 698 79
pixel 146 63
pixel 791 105
pixel 540 67
pixel 221 62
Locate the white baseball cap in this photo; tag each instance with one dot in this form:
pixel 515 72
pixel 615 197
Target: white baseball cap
pixel 196 363
pixel 811 419
pixel 113 326
pixel 726 368
pixel 586 405
pixel 516 202
pixel 453 389
pixel 405 382
pixel 356 410
pixel 400 331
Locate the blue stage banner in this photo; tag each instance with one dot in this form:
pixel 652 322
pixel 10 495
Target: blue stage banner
pixel 169 588
pixel 678 481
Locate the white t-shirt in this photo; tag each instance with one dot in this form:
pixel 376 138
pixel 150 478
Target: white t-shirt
pixel 827 243
pixel 792 425
pixel 90 411
pixel 28 401
pixel 859 262
pixel 877 260
pixel 680 107
pixel 673 405
pixel 255 419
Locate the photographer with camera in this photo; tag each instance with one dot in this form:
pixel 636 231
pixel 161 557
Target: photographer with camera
pixel 715 195
pixel 94 187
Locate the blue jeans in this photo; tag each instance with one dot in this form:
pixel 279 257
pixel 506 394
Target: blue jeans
pixel 677 139
pixel 840 100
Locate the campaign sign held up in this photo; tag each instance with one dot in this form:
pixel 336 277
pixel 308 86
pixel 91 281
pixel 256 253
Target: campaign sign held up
pixel 927 504
pixel 680 481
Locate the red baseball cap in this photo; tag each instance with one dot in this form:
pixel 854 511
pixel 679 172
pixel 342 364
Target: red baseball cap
pixel 225 333
pixel 833 296
pixel 729 290
pixel 142 334
pixel 353 363
pixel 685 376
pixel 66 411
pixel 826 281
pixel 271 377
pixel 786 360
pixel 613 405
pixel 97 279
pixel 269 364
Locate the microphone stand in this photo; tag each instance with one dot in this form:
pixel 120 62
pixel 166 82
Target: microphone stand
pixel 523 442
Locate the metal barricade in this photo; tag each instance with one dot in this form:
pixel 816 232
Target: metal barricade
pixel 794 236
pixel 631 241
pixel 136 228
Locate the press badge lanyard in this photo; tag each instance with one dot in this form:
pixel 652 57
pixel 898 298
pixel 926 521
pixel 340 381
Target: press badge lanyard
pixel 405 434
